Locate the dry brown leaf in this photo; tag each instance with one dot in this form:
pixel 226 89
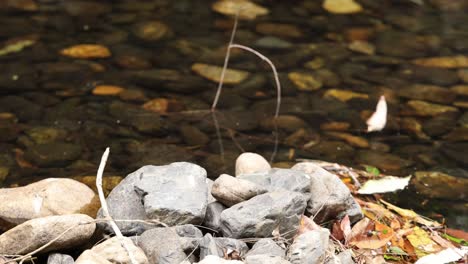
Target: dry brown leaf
pixel 439 240
pixel 370 235
pixel 411 215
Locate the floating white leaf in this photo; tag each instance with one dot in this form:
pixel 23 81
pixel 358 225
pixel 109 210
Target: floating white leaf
pixel 378 120
pixel 385 184
pixel 444 256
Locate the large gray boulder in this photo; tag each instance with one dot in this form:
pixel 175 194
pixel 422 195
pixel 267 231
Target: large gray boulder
pixel 262 214
pixel 280 179
pixel 310 247
pixel 174 194
pixel 329 196
pixel 170 245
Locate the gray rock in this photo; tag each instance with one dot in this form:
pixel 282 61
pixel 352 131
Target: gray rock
pixel 310 247
pixel 230 190
pixel 262 214
pixel 217 260
pixel 346 257
pixel 57 258
pixel 34 233
pixel 265 259
pixel 213 215
pixel 329 197
pixel 267 246
pixel 281 179
pixel 219 246
pixel 125 204
pixel 174 194
pixel 209 183
pixel 166 246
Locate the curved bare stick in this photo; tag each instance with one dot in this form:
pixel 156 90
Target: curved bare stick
pixel 105 210
pixel 226 60
pixel 273 68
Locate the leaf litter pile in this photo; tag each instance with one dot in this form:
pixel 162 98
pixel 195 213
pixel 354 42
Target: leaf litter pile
pixel 388 233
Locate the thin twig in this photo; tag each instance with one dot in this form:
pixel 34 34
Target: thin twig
pixel 226 60
pixel 105 210
pixel 273 68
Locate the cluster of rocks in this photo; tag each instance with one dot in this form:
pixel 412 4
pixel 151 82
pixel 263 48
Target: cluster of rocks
pixel 148 79
pixel 175 214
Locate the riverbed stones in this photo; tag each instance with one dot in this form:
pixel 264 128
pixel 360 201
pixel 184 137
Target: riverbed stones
pixel 450 62
pixel 213 73
pixel 57 258
pixel 178 241
pixel 267 246
pixel 329 197
pixel 53 154
pixel 112 251
pixel 422 108
pixel 436 184
pixel 280 179
pixel 262 214
pixel 342 6
pixel 310 247
pixel 213 215
pixel 230 190
pixel 173 194
pixel 430 93
pixel 247 10
pixel 34 233
pixel 152 31
pixel 305 81
pixel 220 246
pixel 249 162
pixel 48 197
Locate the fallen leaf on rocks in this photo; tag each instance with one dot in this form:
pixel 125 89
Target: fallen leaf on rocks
pixel 422 243
pixel 341 6
pixel 213 73
pixel 247 9
pixel 384 185
pixel 86 51
pixel 107 90
pixel 342 229
pixel 378 120
pixel 444 256
pixel 370 235
pixel 411 215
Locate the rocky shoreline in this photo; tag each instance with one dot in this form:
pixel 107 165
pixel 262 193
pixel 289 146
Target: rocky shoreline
pixel 175 214
pixel 166 208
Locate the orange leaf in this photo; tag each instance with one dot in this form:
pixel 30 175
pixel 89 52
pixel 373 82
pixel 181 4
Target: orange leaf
pixel 306 224
pixel 370 235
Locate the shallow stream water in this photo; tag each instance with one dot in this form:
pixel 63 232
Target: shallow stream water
pixel 146 90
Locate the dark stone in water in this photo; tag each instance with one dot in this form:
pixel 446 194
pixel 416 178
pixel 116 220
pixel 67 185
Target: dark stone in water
pixel 23 109
pixel 431 75
pixel 406 45
pixel 53 154
pixel 439 124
